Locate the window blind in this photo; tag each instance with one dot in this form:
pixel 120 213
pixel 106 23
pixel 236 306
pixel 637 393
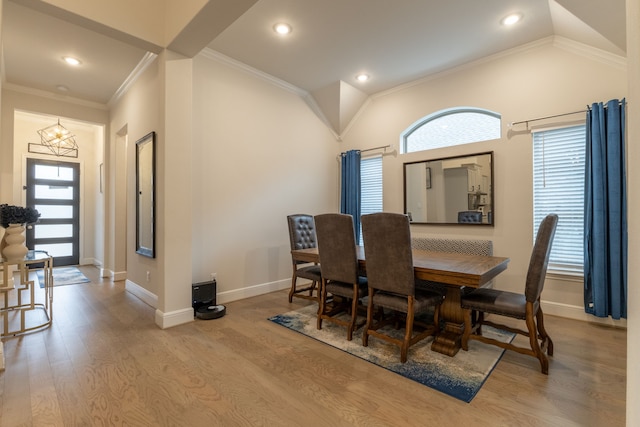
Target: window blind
pixel 370 186
pixel 558 187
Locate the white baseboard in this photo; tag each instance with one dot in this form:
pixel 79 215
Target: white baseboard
pixel 143 294
pixel 577 313
pixel 252 291
pixel 163 320
pixel 118 276
pixel 174 318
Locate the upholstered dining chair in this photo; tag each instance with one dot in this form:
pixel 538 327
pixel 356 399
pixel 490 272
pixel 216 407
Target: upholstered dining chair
pixel 340 272
pixel 302 235
pixel 469 217
pixel 520 306
pixel 392 284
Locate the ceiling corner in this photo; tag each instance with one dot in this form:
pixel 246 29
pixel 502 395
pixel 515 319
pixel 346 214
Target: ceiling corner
pixel 339 102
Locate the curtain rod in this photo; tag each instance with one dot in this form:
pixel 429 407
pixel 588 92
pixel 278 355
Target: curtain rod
pixel 375 148
pixel 547 117
pixel 557 115
pixel 368 149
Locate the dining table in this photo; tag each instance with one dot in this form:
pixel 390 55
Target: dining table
pixel 453 271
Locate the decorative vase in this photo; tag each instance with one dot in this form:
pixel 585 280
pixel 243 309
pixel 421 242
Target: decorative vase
pixel 15 248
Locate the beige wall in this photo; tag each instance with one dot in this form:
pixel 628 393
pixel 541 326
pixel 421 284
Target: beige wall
pixel 633 178
pixel 259 154
pixel 540 81
pixel 137 113
pixel 90 140
pixel 13 152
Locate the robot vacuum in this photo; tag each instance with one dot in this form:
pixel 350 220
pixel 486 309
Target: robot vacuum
pixel 208 312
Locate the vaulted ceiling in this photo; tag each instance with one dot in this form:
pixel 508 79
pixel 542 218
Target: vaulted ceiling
pixel 331 42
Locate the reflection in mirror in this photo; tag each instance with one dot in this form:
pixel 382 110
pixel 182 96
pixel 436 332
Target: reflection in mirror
pixel 145 195
pixel 452 190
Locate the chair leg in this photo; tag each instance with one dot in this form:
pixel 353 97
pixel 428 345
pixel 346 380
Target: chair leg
pixel 312 288
pixel 322 301
pixel 293 287
pixel 354 314
pixel 367 326
pixel 533 340
pixel 404 349
pixel 547 343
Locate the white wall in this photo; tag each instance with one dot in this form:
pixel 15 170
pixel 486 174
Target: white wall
pixel 138 112
pixel 90 141
pixel 633 177
pixel 540 81
pixel 90 124
pixel 259 154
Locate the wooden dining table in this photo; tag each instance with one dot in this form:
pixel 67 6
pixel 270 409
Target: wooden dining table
pixel 454 271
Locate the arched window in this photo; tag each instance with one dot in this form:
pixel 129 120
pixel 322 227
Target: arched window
pixel 454 126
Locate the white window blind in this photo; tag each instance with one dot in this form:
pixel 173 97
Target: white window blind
pixel 370 186
pixel 558 187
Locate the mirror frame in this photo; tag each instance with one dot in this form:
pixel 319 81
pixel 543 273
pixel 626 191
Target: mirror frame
pixel 429 185
pixel 146 221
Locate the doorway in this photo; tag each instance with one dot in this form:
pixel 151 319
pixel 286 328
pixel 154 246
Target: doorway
pixel 53 188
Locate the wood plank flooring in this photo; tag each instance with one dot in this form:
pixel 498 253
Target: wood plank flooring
pixel 105 363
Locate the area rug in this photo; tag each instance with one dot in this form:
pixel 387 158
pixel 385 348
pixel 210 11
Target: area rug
pixel 64 276
pixel 460 376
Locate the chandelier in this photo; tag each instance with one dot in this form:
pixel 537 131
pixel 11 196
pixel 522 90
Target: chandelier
pixel 58 139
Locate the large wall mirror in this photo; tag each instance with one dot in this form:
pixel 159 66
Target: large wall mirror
pixel 451 190
pixel 146 195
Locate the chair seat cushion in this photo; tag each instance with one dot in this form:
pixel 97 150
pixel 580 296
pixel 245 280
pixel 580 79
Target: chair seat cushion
pixel 346 289
pixel 311 272
pixel 497 302
pixel 423 300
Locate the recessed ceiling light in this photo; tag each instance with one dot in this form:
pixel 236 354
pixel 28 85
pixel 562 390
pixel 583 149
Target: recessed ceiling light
pixel 362 77
pixel 511 19
pixel 282 28
pixel 71 60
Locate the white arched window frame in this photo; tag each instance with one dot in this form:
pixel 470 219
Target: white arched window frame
pixel 453 126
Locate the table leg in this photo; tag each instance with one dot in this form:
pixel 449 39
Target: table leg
pixel 448 341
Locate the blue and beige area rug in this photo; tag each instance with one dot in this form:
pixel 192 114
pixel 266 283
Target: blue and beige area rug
pixel 460 376
pixel 64 276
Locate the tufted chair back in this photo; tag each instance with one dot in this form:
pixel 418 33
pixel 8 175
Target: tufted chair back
pixel 469 217
pixel 302 231
pixel 302 235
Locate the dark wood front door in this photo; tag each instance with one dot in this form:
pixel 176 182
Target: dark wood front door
pixel 53 188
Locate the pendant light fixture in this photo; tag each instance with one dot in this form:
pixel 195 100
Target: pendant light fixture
pixel 58 139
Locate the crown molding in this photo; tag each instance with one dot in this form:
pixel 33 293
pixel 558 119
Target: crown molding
pixel 556 41
pixel 55 96
pixel 219 57
pixel 590 52
pixel 519 49
pixel 144 63
pixel 261 75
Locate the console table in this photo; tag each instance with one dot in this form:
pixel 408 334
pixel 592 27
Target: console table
pixel 36 300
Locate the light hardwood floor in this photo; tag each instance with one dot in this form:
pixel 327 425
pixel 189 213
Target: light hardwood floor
pixel 105 363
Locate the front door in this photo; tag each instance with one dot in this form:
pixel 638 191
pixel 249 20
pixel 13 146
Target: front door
pixel 53 188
